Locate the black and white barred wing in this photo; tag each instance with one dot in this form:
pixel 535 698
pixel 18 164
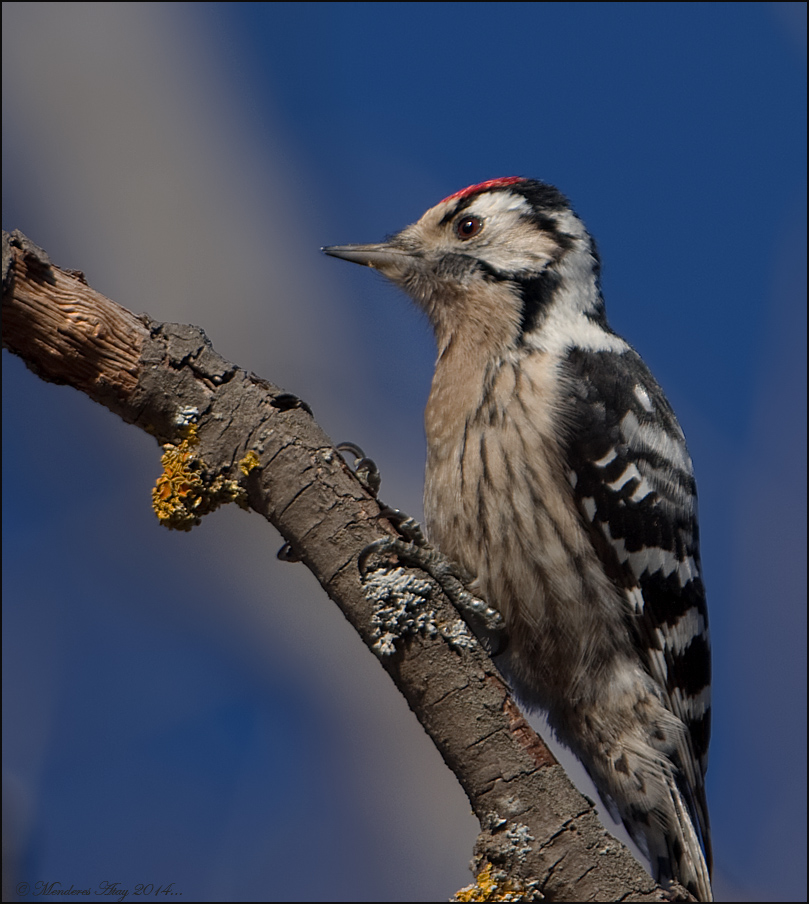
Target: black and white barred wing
pixel 634 482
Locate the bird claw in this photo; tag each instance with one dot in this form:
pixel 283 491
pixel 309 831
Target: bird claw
pixel 408 527
pixel 365 469
pixel 287 554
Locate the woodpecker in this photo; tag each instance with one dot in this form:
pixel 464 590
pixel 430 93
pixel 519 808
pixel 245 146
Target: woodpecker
pixel 558 475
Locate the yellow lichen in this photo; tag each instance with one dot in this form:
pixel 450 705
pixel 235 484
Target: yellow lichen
pixel 493 885
pixel 249 463
pixel 185 491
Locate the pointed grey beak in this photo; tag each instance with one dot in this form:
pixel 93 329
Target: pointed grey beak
pixel 377 256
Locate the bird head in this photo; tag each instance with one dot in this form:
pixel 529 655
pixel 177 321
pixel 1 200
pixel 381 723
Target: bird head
pixel 490 261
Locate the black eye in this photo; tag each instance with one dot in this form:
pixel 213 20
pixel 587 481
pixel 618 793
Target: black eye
pixel 467 227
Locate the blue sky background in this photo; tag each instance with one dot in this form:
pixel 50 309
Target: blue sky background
pixel 184 708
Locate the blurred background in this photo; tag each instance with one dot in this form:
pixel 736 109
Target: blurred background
pixel 185 709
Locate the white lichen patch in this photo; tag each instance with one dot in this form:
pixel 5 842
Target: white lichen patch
pixel 187 416
pixel 521 840
pixel 404 608
pixel 457 635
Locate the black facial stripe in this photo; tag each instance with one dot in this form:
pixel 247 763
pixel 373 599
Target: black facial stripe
pixel 550 227
pixel 537 294
pixel 492 274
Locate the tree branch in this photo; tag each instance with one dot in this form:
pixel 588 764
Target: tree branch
pixel 231 436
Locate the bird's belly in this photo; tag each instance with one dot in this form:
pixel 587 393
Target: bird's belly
pixel 514 525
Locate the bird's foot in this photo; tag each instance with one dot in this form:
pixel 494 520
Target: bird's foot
pixel 450 577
